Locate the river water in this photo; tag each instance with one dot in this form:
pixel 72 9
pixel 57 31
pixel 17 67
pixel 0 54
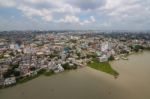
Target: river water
pixel 87 83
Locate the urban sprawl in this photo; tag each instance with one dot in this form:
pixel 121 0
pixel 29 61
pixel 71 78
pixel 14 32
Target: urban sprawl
pixel 25 55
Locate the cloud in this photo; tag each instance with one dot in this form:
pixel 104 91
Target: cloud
pixel 76 20
pixel 87 4
pixel 30 12
pixel 69 19
pixel 121 14
pixel 92 19
pixel 88 21
pixel 6 3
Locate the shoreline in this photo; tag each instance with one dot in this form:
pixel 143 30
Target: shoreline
pixel 48 74
pixel 108 64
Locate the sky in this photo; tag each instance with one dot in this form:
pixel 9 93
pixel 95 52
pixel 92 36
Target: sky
pixel 74 15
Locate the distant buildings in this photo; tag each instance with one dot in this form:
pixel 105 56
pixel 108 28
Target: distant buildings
pixel 50 51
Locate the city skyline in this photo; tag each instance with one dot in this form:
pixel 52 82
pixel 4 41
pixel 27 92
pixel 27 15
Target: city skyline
pixel 74 15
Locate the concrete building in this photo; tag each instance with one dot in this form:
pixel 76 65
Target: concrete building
pixel 10 81
pixel 103 58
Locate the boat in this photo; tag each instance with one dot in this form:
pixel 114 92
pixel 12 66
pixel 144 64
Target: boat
pixel 116 58
pixel 124 58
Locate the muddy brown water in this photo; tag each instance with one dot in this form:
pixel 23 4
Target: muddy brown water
pixel 87 83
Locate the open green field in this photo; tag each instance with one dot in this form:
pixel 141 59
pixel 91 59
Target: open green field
pixel 103 66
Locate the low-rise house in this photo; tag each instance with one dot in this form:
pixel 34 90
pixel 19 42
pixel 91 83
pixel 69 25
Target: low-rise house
pixel 6 55
pixel 24 70
pixel 4 68
pixel 103 58
pixel 58 68
pixel 33 73
pixel 9 81
pixel 3 46
pixel 98 53
pixel 39 53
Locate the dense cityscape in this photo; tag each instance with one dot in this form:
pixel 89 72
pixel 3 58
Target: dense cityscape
pixel 25 55
pixel 74 49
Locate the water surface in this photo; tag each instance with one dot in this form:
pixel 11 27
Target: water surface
pixel 87 83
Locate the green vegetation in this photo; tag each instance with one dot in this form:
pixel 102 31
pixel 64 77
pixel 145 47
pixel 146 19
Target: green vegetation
pixel 39 73
pixel 93 55
pixel 26 79
pixel 73 41
pixel 11 71
pixel 66 66
pixel 136 48
pixel 78 54
pixel 48 73
pixel 53 55
pixel 1 56
pixel 42 71
pixel 11 54
pixel 111 58
pixel 104 66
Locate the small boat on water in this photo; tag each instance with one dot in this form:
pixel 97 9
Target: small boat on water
pixel 116 58
pixel 124 58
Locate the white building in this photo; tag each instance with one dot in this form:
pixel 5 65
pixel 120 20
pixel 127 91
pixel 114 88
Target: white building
pixel 9 81
pixel 63 56
pixel 103 58
pixel 105 46
pixel 58 68
pixel 14 46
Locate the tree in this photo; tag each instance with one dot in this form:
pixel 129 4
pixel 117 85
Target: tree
pixel 32 68
pixel 111 58
pixel 66 66
pixel 16 73
pixel 8 73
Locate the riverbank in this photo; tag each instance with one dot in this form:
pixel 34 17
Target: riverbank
pixel 106 67
pixel 41 72
pixel 87 83
pixel 29 78
pixel 95 64
pixel 44 72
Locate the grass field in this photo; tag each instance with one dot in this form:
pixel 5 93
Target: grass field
pixel 103 66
